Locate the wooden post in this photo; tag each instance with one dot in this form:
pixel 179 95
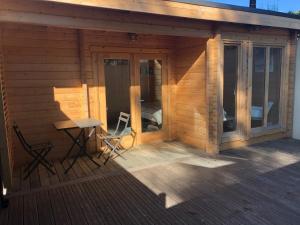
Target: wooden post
pixel 85 94
pixel 214 111
pixel 6 165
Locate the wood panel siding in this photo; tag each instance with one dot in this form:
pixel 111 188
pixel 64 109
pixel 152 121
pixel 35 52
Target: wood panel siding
pixel 52 74
pixel 190 100
pixel 43 84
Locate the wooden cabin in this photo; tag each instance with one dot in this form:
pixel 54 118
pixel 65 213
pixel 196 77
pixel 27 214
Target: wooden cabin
pixel 210 75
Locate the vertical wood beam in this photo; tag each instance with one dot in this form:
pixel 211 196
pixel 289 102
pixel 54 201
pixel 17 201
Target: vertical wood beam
pixel 291 70
pixel 6 161
pixel 213 96
pixel 85 94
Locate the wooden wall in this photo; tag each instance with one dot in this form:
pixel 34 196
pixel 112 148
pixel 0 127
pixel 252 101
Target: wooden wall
pixel 190 100
pixel 42 75
pixel 45 68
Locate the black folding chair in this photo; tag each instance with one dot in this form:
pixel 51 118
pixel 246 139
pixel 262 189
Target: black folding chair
pixel 38 152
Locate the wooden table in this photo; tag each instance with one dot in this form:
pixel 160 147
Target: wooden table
pixel 81 139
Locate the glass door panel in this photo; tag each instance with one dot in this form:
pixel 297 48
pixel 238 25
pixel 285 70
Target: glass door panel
pixel 230 84
pixel 117 86
pixel 151 94
pixel 275 65
pixel 258 87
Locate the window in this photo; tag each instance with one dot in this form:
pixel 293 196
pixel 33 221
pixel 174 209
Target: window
pixel 230 86
pixel 258 84
pixel 266 87
pixel 274 86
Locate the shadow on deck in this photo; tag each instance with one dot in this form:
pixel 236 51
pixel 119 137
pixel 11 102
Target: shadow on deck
pixel 170 183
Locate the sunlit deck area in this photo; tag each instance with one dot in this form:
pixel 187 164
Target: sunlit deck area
pixel 168 183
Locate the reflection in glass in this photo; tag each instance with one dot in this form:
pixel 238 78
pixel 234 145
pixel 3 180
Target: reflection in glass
pixel 117 84
pixel 230 88
pixel 258 87
pixel 151 94
pixel 274 86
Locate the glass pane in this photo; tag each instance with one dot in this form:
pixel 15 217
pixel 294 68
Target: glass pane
pixel 230 88
pixel 151 94
pixel 274 86
pixel 258 87
pixel 117 84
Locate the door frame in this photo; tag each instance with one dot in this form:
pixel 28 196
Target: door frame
pixel 133 55
pixel 162 134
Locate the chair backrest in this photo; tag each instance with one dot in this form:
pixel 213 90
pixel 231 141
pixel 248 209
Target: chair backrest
pixel 21 138
pixel 123 118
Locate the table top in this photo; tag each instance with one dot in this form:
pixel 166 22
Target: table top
pixel 81 123
pixel 89 122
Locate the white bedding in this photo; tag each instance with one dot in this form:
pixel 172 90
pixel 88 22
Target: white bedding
pixel 152 112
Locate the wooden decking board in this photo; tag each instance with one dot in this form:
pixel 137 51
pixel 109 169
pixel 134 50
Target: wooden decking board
pixel 34 179
pixel 125 210
pixel 136 210
pixel 73 208
pixel 44 208
pixel 16 211
pixel 59 208
pixel 86 205
pixel 115 211
pixel 266 208
pixel 155 209
pixel 256 188
pixel 30 210
pixel 97 200
pixel 44 177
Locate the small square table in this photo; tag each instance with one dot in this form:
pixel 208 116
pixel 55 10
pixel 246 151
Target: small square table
pixel 81 139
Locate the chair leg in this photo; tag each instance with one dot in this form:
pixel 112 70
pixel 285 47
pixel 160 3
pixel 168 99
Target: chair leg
pixel 39 159
pixel 110 154
pixel 73 162
pixel 101 153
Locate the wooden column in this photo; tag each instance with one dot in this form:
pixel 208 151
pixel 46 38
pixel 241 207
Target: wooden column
pixel 5 151
pixel 290 81
pixel 214 110
pixel 85 94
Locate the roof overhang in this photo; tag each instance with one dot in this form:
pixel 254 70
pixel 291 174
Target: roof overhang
pixel 189 9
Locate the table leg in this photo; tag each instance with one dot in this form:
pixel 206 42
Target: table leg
pixel 75 140
pixel 82 144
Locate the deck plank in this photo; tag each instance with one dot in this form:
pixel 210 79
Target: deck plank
pixel 44 208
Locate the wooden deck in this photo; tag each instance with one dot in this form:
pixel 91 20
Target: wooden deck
pixel 170 183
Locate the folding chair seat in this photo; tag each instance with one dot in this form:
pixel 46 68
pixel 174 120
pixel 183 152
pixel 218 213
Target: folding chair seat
pixel 38 153
pixel 113 141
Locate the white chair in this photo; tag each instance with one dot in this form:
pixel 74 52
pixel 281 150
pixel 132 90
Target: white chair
pixel 113 141
pixel 257 111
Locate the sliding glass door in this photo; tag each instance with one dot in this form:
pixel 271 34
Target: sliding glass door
pixel 266 87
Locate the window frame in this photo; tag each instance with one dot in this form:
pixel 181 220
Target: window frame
pixel 281 126
pixel 236 134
